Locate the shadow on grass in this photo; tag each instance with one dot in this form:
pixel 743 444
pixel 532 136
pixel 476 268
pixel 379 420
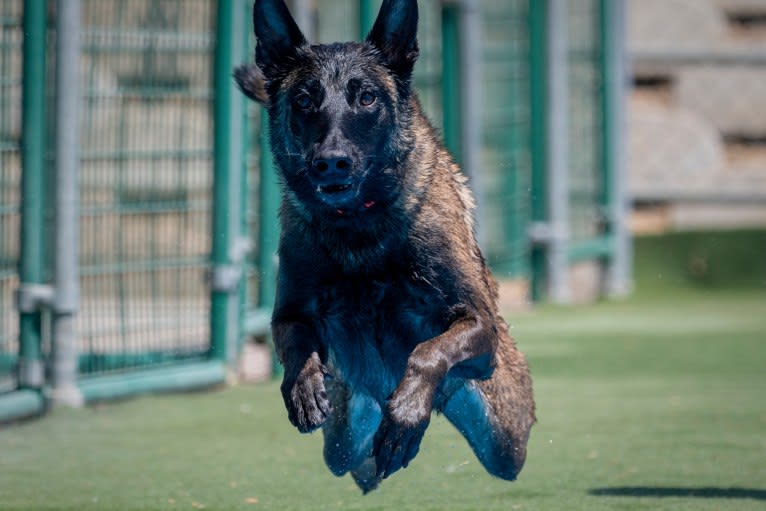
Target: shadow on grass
pixel 661 492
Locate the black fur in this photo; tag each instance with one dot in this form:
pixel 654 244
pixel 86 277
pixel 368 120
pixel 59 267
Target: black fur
pixel 385 309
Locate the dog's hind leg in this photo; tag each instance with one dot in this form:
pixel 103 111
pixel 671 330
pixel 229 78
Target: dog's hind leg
pixel 495 416
pixel 349 432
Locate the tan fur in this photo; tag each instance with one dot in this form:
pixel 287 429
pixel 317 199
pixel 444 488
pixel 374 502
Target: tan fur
pixel 449 204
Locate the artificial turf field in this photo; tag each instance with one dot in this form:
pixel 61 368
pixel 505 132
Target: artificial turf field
pixel 657 402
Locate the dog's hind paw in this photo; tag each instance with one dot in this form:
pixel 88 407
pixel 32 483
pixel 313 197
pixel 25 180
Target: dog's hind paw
pixel 366 475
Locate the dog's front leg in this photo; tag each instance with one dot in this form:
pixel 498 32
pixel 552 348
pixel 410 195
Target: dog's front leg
pixel 302 387
pixel 409 410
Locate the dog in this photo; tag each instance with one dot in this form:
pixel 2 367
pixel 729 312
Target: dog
pixel 385 309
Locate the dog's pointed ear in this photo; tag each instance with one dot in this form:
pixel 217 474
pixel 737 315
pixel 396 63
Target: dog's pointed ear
pixel 276 32
pixel 251 82
pixel 395 34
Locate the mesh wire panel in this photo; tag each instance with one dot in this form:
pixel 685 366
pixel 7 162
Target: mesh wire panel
pixel 427 76
pixel 254 143
pixel 506 124
pixel 146 181
pixel 585 182
pixel 252 273
pixel 10 181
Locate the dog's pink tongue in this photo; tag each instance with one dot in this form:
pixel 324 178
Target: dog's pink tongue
pixel 367 205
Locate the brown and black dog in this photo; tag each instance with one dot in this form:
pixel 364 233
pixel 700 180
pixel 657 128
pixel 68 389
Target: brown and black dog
pixel 385 308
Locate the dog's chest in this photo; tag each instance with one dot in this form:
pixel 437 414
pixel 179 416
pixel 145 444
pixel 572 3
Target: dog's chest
pixel 370 326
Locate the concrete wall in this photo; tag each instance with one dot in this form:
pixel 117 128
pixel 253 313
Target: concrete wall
pixel 697 128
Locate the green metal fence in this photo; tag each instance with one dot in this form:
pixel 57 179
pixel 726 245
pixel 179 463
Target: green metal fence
pixel 146 181
pixel 596 229
pixel 506 145
pixel 577 186
pixel 150 157
pixel 22 203
pixel 514 105
pixel 10 184
pixel 175 259
pixel 586 191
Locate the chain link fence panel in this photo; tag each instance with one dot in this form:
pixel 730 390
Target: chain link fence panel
pixel 146 182
pixel 11 36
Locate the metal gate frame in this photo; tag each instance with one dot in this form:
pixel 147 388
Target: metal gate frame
pixel 27 399
pixel 534 242
pixel 48 296
pixel 553 250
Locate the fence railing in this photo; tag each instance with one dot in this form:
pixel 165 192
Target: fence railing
pixel 162 255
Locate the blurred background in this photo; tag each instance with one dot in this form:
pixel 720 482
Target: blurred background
pixel 138 199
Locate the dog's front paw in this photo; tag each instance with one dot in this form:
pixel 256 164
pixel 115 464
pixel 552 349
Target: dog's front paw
pixel 396 445
pixel 305 396
pixel 398 438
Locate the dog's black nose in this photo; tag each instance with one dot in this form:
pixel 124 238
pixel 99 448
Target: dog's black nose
pixel 333 162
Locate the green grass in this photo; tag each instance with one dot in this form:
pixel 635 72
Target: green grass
pixel 702 260
pixel 656 402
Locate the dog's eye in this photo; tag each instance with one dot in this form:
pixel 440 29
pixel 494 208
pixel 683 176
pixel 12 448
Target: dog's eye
pixel 366 98
pixel 303 101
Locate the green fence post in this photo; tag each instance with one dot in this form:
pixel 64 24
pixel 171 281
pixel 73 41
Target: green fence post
pixel 32 293
pixel 605 98
pixel 245 9
pixel 303 13
pixel 515 243
pixel 366 17
pixel 226 271
pixel 557 231
pixel 550 130
pixel 66 266
pixel 471 137
pixel 268 231
pixel 450 30
pixel 538 50
pixel 614 201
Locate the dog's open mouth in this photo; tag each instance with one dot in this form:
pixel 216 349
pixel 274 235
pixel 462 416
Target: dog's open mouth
pixel 334 188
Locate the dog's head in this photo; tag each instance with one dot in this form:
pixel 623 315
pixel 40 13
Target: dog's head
pixel 339 113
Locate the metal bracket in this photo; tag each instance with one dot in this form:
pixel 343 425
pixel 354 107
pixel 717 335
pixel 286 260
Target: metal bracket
pixel 240 248
pixel 30 373
pixel 543 233
pixel 224 278
pixel 31 298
